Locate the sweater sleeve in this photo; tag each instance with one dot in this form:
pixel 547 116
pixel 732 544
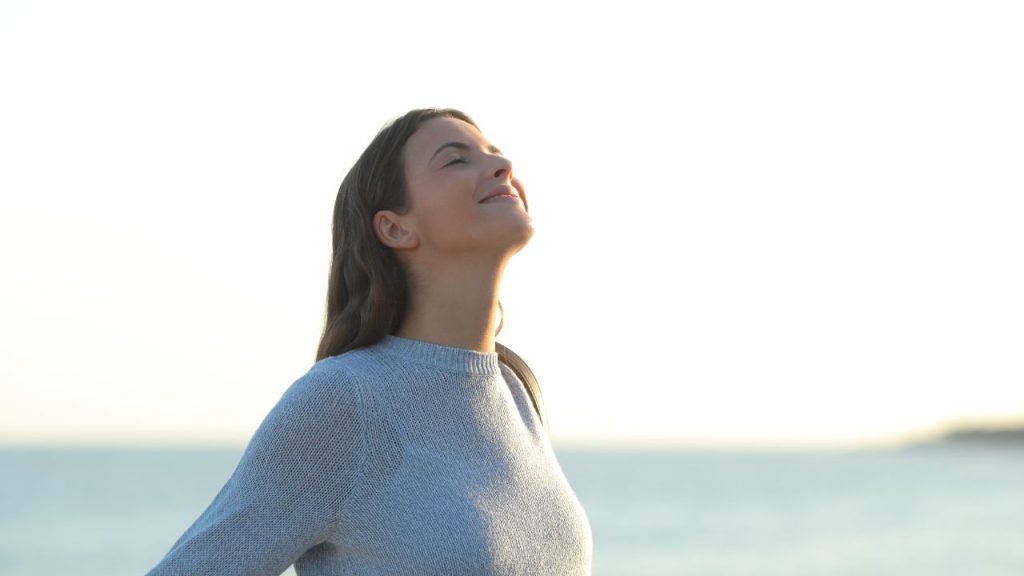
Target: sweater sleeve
pixel 288 490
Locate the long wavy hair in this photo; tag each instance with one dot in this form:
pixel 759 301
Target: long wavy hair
pixel 368 288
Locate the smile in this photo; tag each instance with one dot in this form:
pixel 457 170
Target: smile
pixel 503 193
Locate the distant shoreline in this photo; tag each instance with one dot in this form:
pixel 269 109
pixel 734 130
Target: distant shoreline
pixel 977 437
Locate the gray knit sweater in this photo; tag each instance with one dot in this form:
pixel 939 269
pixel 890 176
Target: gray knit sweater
pixel 405 457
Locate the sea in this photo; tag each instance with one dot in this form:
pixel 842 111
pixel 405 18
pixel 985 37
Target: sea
pixel 937 511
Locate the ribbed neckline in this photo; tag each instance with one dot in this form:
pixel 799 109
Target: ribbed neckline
pixel 440 356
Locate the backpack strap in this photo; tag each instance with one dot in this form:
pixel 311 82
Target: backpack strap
pixel 523 372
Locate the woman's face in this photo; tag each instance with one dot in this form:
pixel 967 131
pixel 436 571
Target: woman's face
pixel 462 195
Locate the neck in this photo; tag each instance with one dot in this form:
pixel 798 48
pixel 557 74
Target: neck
pixel 454 305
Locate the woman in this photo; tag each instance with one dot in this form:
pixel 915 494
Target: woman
pixel 407 448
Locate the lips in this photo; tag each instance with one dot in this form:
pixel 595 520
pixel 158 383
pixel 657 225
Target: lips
pixel 501 191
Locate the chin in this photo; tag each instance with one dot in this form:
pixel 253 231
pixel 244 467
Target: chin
pixel 523 237
pixel 507 235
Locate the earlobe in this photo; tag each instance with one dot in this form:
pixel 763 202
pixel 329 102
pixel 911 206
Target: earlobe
pixel 392 232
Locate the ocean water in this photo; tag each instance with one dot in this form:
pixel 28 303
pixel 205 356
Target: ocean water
pixel 937 512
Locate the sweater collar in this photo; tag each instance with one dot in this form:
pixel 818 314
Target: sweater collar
pixel 440 356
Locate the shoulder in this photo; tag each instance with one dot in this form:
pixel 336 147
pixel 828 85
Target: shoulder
pixel 336 381
pixel 326 380
pixel 319 419
pixel 314 435
pixel 328 397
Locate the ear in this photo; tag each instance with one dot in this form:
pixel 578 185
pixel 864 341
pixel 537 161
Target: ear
pixel 393 231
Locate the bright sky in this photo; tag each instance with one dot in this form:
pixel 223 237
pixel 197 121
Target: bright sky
pixel 785 223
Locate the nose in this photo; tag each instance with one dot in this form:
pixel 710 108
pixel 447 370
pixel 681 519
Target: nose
pixel 503 168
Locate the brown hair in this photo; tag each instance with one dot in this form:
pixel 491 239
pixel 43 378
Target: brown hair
pixel 368 289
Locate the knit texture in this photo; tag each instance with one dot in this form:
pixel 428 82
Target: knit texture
pixel 405 457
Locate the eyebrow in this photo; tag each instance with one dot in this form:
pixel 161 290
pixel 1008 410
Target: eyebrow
pixel 463 146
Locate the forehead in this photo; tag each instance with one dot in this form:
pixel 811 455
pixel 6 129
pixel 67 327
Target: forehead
pixel 437 132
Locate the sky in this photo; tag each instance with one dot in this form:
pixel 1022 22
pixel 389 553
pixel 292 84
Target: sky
pixel 777 224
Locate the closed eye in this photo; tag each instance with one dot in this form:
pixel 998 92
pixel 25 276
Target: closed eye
pixel 455 161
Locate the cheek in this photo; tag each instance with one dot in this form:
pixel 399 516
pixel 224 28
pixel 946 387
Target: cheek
pixel 432 205
pixel 522 193
pixel 446 214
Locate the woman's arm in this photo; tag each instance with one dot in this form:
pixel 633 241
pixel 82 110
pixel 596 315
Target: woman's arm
pixel 289 489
